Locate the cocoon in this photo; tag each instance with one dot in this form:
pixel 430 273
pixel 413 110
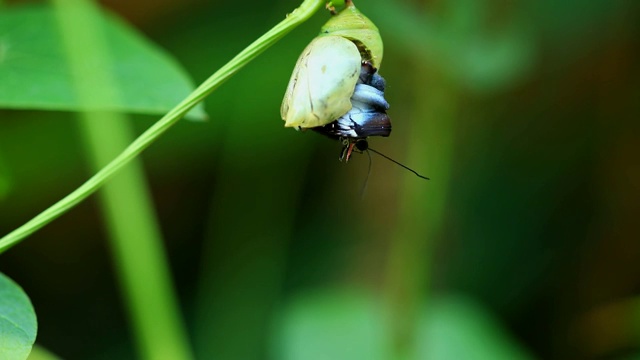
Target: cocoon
pixel 326 73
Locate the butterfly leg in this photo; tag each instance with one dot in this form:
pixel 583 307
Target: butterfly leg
pixel 347 149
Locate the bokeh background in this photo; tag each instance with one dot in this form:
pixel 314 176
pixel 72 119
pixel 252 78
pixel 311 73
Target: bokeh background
pixel 524 243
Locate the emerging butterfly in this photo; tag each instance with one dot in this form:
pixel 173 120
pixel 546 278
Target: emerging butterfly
pixel 335 88
pixel 367 116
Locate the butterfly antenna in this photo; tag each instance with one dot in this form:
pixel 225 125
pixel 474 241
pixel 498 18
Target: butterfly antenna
pixel 397 163
pixel 366 181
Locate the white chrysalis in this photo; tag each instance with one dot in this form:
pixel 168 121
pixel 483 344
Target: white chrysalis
pixel 322 83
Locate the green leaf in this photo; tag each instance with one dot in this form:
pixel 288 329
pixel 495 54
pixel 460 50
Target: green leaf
pixel 332 325
pixel 459 44
pixel 34 71
pixel 18 325
pixel 40 353
pixel 347 325
pixel 456 328
pixel 5 178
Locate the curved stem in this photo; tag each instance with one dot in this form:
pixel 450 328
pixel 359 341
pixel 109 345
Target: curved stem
pixel 298 16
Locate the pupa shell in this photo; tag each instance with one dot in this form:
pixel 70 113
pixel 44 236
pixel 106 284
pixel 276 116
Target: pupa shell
pixel 351 24
pixel 327 71
pixel 322 83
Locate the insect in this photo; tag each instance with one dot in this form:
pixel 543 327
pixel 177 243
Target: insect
pixel 367 116
pixel 335 88
pixel 325 76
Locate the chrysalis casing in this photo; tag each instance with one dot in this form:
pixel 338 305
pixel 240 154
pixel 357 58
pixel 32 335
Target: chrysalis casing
pixel 335 88
pixel 322 83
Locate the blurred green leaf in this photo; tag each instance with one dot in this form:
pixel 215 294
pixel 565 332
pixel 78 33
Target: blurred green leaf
pixel 456 328
pixel 332 326
pixel 349 325
pixel 18 325
pixel 459 44
pixel 40 353
pixel 35 72
pixel 5 179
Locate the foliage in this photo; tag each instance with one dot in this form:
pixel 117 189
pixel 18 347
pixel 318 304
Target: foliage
pixel 36 72
pixel 523 244
pixel 18 325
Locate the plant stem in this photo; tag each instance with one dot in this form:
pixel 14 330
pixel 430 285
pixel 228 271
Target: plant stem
pixel 136 244
pixel 298 16
pixel 421 210
pixel 135 237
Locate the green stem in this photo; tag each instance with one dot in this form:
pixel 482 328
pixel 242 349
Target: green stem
pixel 421 210
pixel 298 16
pixel 136 243
pixel 135 236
